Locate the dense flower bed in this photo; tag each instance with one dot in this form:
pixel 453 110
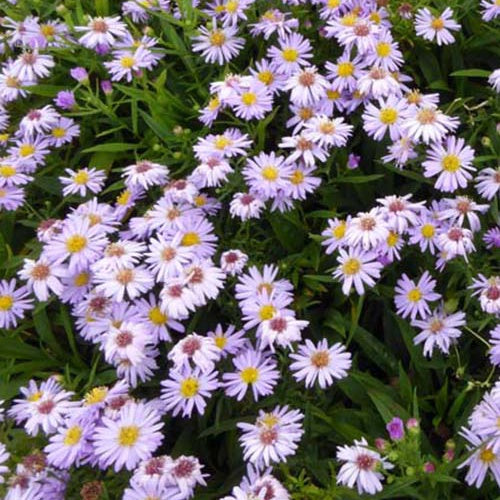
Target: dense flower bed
pixel 249 249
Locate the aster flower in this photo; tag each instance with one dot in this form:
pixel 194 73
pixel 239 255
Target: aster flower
pixel 304 149
pixel 292 52
pixel 431 125
pixel 361 467
pixel 232 262
pixel 492 238
pixel 38 120
pixel 102 31
pixel 70 445
pixel 488 290
pixel 388 116
pixel 196 350
pixel 456 241
pixel 253 369
pixel 229 340
pixel 439 330
pixel 274 21
pixel 412 299
pixel 488 182
pixel 42 277
pixel 495 346
pixel 246 206
pixel 399 212
pixel 282 330
pixel 273 436
pixel 131 280
pixel 362 34
pixel 133 436
pixel 82 181
pixel 345 72
pixel 386 53
pixel 376 82
pixel 367 229
pixel 462 209
pixel 32 65
pixel 218 45
pixel 439 27
pixel 13 303
pixel 65 99
pixel 320 362
pixel 452 162
pixel 228 144
pixel 252 100
pixel 491 10
pixel 335 234
pixel 184 391
pixel 306 86
pixel 327 132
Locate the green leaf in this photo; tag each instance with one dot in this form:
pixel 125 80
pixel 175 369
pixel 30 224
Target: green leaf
pixel 111 147
pixel 480 73
pixel 358 179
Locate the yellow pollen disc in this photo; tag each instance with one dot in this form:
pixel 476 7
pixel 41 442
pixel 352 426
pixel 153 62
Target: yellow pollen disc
pixel 375 17
pixel 81 177
pixel 231 6
pixel 306 113
pixel 426 116
pixel 290 55
pixel 189 387
pixel 297 177
pixel 248 98
pixel 35 396
pixel 383 49
pixel 128 435
pixel 249 375
pixel 349 19
pixel 327 127
pixel 332 4
pixel 487 455
pixel 320 359
pixel 427 231
pixel 76 243
pixel 333 95
pixel 437 23
pixel 266 77
pixel 269 173
pixel 73 436
pixel 222 142
pixel 156 316
pixel 220 342
pixel 388 116
pixel 96 395
pixel 124 197
pixel 392 239
pixel 200 200
pixel 7 170
pixel 351 266
pixel 6 302
pixel 414 295
pixel 217 38
pixel 267 312
pixel 450 163
pixel 219 9
pixel 26 150
pixel 4 137
pixel 81 279
pixel 339 231
pixel 345 69
pixel 58 132
pixel 47 30
pixel 268 420
pixel 127 62
pixel 190 239
pixel 213 104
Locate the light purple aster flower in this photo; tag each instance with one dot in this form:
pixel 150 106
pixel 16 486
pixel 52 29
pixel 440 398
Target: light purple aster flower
pixel 65 99
pixel 412 298
pixel 436 27
pixel 13 303
pixel 218 45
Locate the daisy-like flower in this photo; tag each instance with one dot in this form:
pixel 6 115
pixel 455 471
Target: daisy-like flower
pixel 303 149
pixel 13 303
pixel 126 341
pixel 376 82
pixel 456 241
pixel 38 120
pixel 292 52
pixel 439 27
pixel 451 162
pixel 128 63
pixel 461 209
pixel 306 86
pixel 251 101
pixel 273 20
pixel 146 174
pixel 232 262
pixel 253 369
pixel 32 65
pixel 335 234
pixel 320 362
pixel 482 461
pixel 412 299
pixel 229 340
pixel 362 34
pixel 429 124
pixel 228 144
pixel 196 350
pixel 273 436
pixel 131 280
pixel 488 290
pixel 82 181
pixel 120 254
pixel 367 229
pixel 361 467
pixel 218 45
pixel 357 267
pixel 282 330
pixel 184 391
pixel 133 436
pixel 491 9
pixel 102 31
pixel 42 277
pixel 70 445
pixel 388 116
pixel 246 206
pixel 63 132
pixel 400 212
pixel 256 283
pixel 386 53
pixel 488 182
pixel 327 132
pixel 439 330
pixel 344 73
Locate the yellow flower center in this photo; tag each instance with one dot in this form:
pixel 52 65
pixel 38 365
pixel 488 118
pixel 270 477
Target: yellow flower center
pixel 392 239
pixel 268 420
pixel 157 317
pixel 124 197
pixel 35 396
pixel 332 4
pixel 267 312
pixel 190 239
pixel 128 435
pixel 349 19
pixel 76 243
pixel 414 295
pixel 189 387
pixel 297 177
pixel 26 150
pixel 47 30
pixel 290 55
pixel 375 17
pixel 7 170
pixel 222 142
pixel 96 395
pixel 487 455
pixel 127 62
pixel 345 69
pixel 426 116
pixel 81 177
pixel 428 231
pixel 200 200
pixel 450 163
pixel 220 342
pixel 320 359
pixel 213 104
pixel 339 231
pixel 270 173
pixel 231 6
pixel 266 76
pixel 6 302
pixel 81 279
pixel 249 375
pixel 388 116
pixel 58 132
pixel 4 137
pixel 351 266
pixel 383 49
pixel 73 436
pixel 437 23
pixel 248 98
pixel 217 38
